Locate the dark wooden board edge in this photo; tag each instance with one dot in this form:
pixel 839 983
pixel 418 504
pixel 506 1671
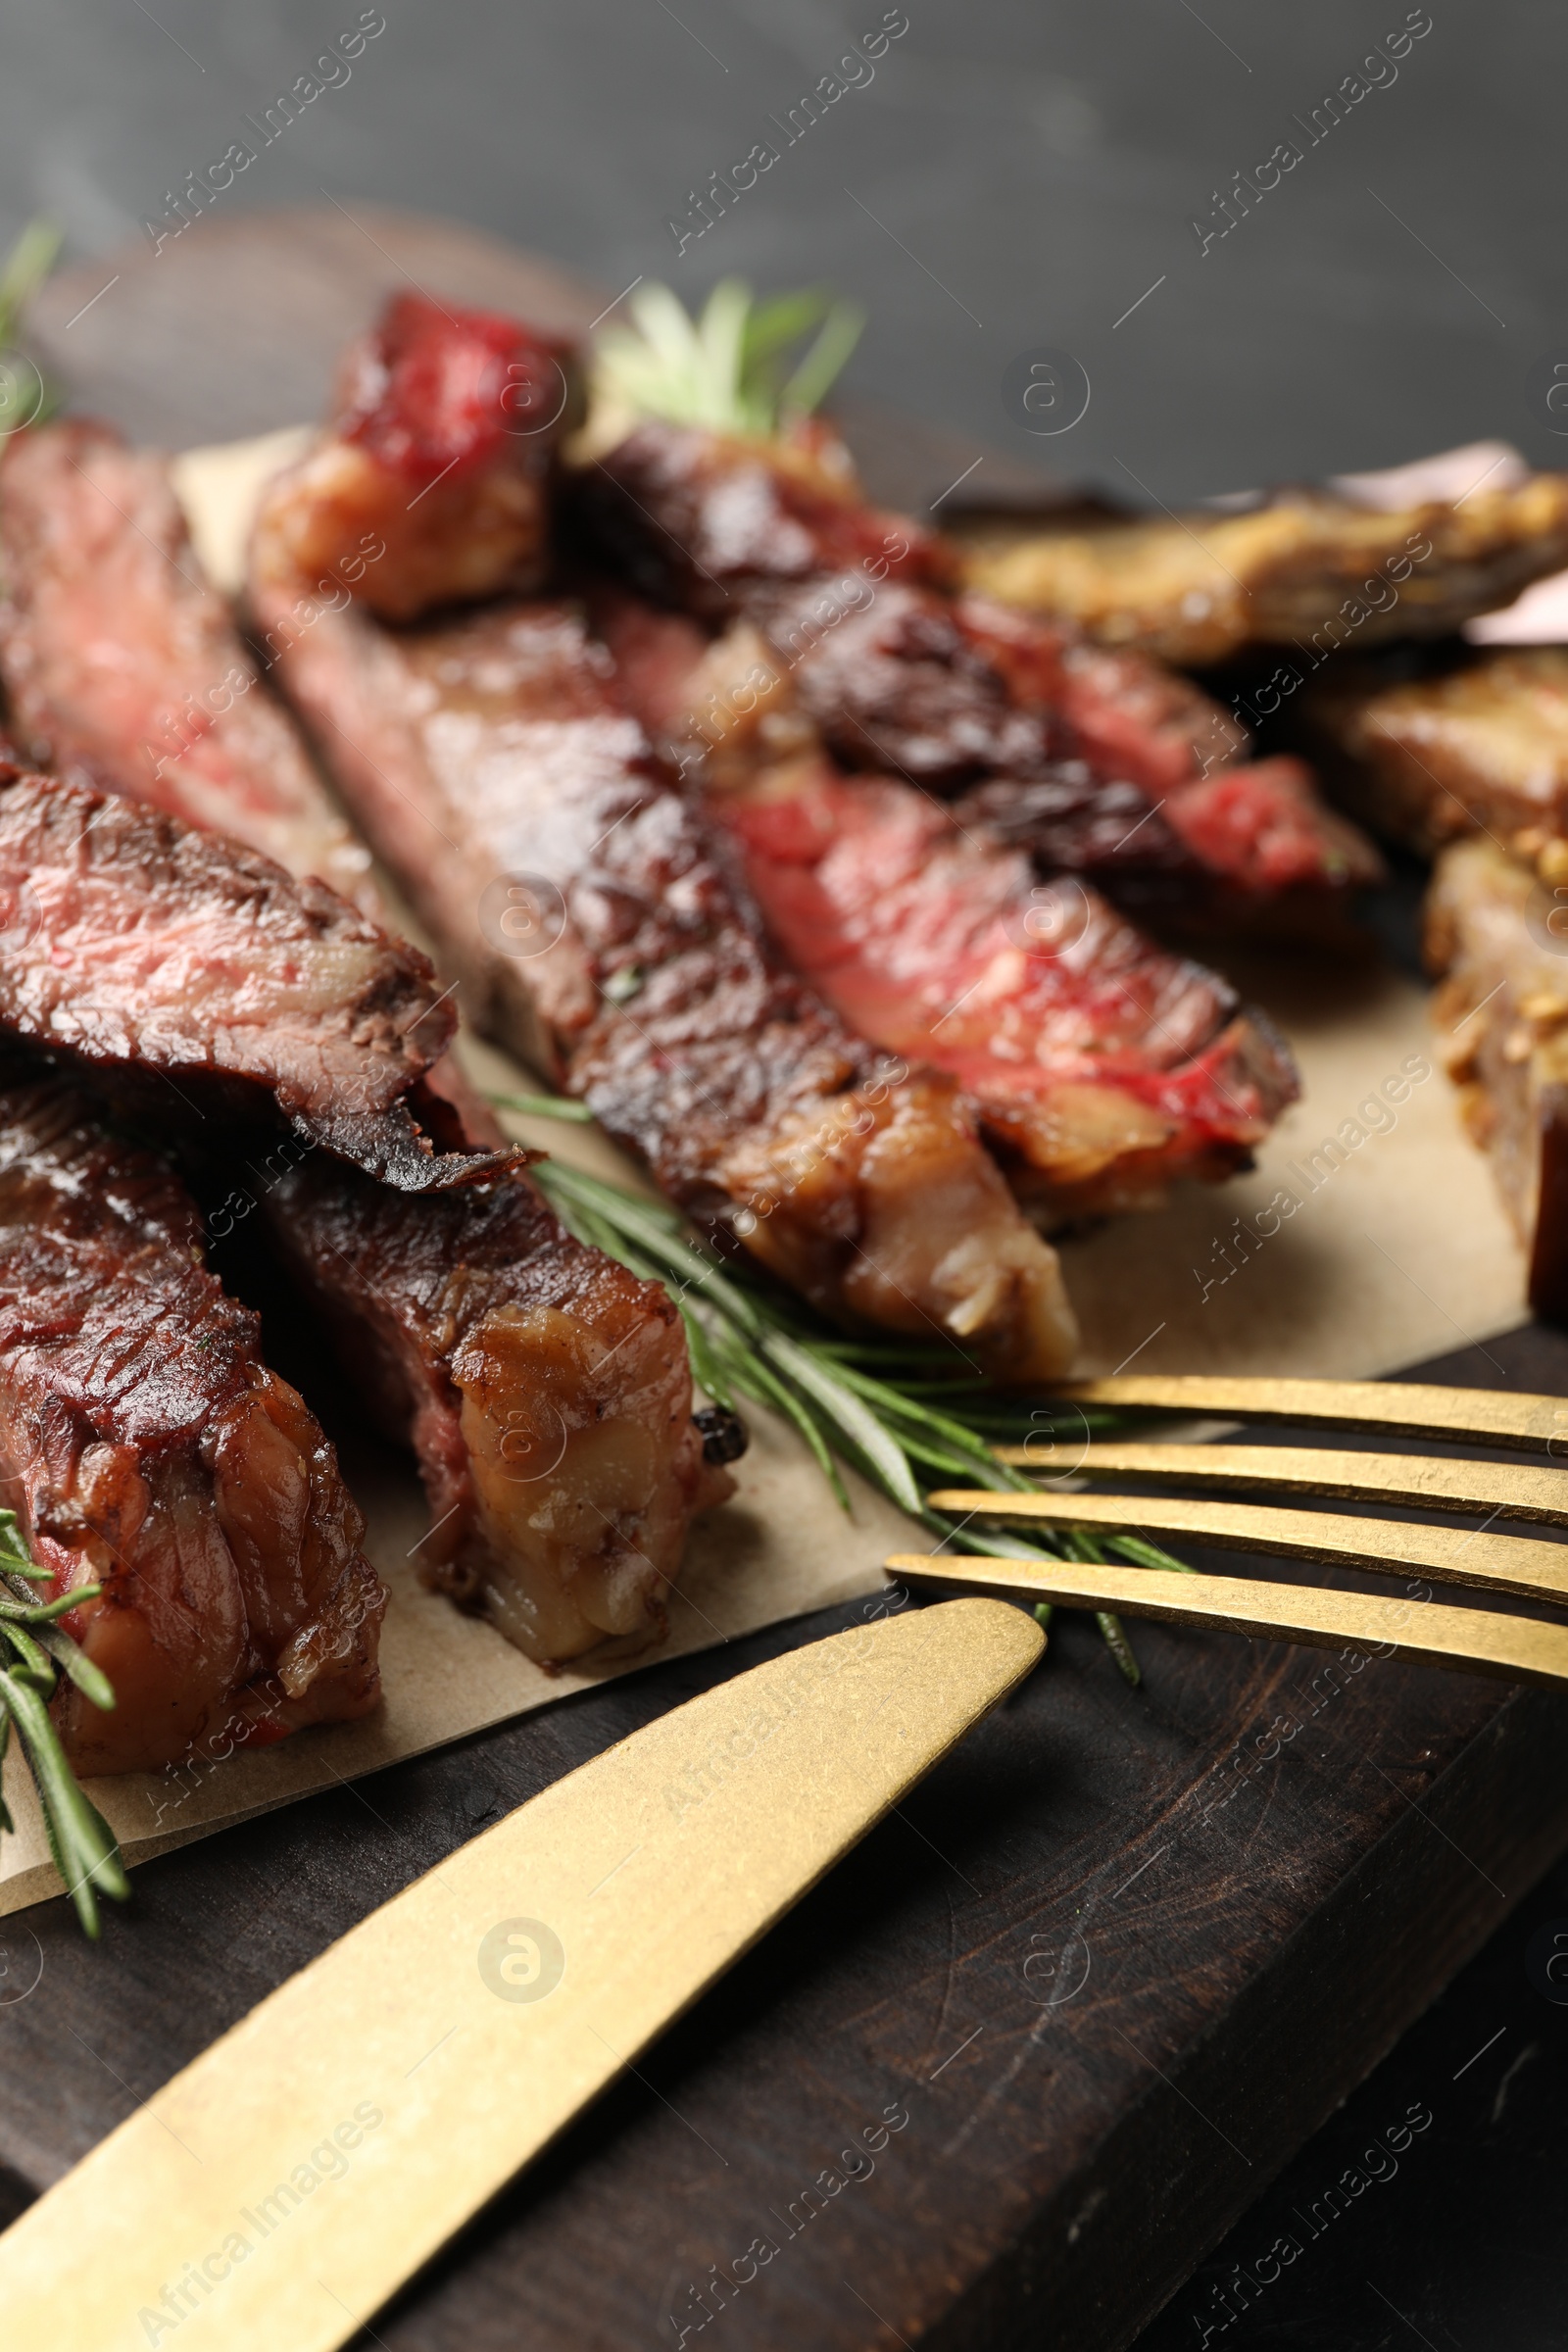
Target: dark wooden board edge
pixel 1099 2263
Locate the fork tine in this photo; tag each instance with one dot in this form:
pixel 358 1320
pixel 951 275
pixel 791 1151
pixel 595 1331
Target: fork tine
pixel 1510 1490
pixel 1517 1564
pixel 1473 1641
pixel 1536 1424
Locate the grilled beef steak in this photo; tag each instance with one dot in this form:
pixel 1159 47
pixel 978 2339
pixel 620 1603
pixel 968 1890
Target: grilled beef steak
pixel 1093 758
pixel 1479 746
pixel 600 932
pixel 1298 567
pixel 462 407
pixel 1498 935
pixel 1101 1065
pixel 188 961
pixel 546 1391
pixel 109 622
pixel 122 669
pixel 148 1448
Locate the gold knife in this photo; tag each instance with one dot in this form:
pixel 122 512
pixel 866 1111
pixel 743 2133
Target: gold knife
pixel 275 2193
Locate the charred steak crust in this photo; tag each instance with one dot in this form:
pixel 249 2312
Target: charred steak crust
pixel 152 1451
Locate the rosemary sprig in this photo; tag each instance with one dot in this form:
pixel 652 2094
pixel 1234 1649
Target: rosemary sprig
pixel 33 1654
pixel 27 396
pixel 729 369
pixel 852 1401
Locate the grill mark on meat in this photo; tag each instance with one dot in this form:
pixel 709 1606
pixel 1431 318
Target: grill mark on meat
pixel 1101 1065
pixel 109 622
pixel 489 747
pixel 146 1446
pixel 146 947
pixel 1078 750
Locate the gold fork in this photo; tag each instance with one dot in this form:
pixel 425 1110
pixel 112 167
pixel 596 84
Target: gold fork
pixel 1516 1648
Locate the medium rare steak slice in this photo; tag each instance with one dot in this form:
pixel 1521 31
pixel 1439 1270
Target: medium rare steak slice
pixel 1497 934
pixel 148 1448
pixel 1101 1065
pixel 544 1387
pixel 122 669
pixel 558 1550
pixel 152 951
pixel 1093 758
pixel 1481 746
pixel 599 931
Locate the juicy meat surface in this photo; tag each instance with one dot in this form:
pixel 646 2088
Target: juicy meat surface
pixel 696 520
pixel 148 1448
pixel 112 613
pixel 1302 565
pixel 1102 1066
pixel 144 947
pixel 1096 760
pixel 600 931
pixel 122 665
pixel 1479 747
pixel 447 424
pixel 544 1387
pixel 1496 936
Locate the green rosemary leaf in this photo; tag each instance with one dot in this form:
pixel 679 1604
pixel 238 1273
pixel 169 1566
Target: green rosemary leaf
pixel 1145 1554
pixel 859 1424
pixel 35 1666
pixel 659 1232
pixel 725 370
pixel 756 1379
pixel 40 1612
pixel 546 1106
pixel 73 1662
pixel 825 360
pixel 83 1846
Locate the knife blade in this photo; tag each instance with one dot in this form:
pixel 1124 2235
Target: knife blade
pixel 276 2192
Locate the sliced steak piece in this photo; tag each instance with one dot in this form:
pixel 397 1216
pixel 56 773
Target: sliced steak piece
pixel 1102 1066
pixel 150 950
pixel 1296 567
pixel 1481 746
pixel 147 1447
pixel 448 421
pixel 122 669
pixel 1497 934
pixel 109 619
pixel 599 931
pixel 545 1391
pixel 1093 758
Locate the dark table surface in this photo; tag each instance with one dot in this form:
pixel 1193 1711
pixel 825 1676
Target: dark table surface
pixel 1012 177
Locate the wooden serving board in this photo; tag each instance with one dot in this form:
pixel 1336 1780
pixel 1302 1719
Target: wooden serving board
pixel 1115 1962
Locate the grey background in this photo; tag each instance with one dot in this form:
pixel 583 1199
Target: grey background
pixel 1040 164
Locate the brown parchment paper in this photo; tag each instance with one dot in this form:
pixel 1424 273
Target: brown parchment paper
pixel 1396 1248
